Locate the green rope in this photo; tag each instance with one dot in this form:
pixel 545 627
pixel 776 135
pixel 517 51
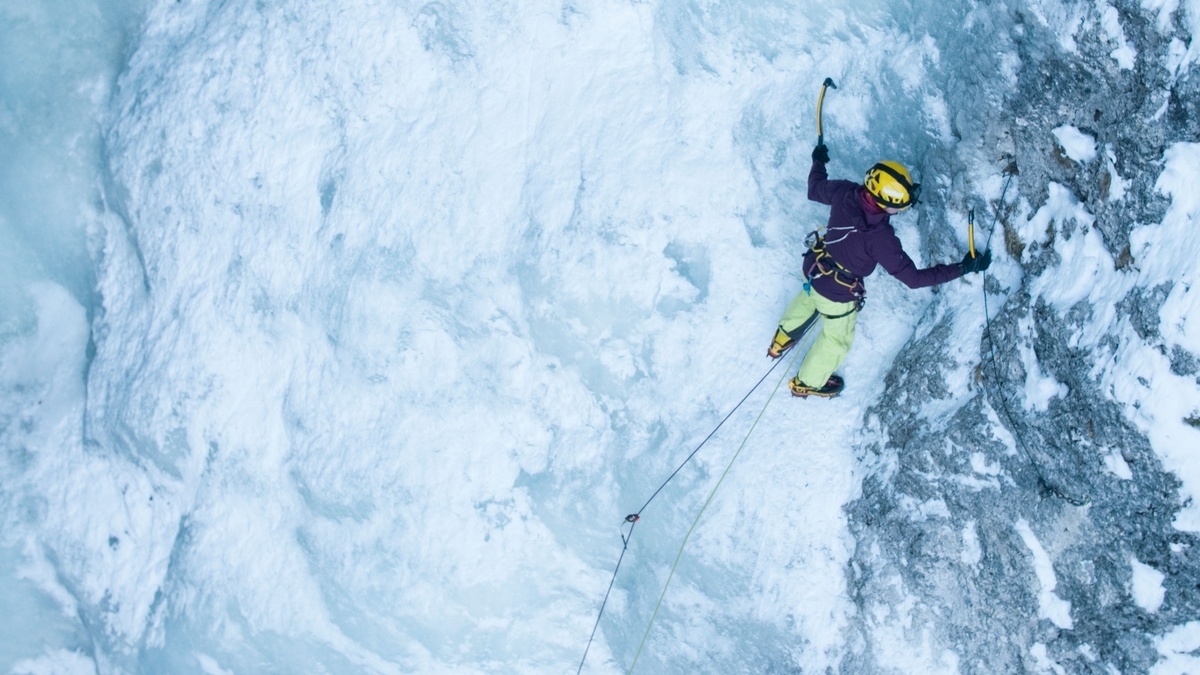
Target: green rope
pixel 706 503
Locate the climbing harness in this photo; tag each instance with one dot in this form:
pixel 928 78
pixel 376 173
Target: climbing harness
pixel 825 266
pixel 1043 482
pixel 632 519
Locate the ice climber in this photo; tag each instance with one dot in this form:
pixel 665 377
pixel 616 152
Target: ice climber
pixel 859 237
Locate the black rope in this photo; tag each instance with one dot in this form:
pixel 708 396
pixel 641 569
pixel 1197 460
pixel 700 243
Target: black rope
pixel 1042 481
pixel 633 518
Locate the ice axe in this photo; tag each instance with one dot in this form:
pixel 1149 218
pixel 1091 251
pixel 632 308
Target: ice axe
pixel 820 101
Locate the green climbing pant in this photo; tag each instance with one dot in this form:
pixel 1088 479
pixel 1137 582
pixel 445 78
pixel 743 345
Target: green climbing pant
pixel 832 344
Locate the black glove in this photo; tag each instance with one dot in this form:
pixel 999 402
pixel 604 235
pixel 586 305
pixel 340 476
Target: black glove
pixel 821 154
pixel 977 264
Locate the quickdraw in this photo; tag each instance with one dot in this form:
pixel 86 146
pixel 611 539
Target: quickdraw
pixel 825 266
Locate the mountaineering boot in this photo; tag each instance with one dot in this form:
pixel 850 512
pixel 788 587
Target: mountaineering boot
pixel 780 344
pixel 832 388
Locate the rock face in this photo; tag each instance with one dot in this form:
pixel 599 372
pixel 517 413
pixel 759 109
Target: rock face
pixel 1010 534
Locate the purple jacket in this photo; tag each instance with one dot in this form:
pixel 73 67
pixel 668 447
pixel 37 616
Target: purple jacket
pixel 859 236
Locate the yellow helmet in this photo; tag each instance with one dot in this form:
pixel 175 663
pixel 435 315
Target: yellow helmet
pixel 891 185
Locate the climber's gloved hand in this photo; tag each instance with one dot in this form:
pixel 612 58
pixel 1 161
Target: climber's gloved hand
pixel 977 264
pixel 821 154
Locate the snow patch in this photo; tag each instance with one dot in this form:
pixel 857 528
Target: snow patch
pixel 1117 186
pixel 1147 588
pixel 1177 54
pixel 1115 462
pixel 1190 19
pixel 979 464
pixel 972 552
pixel 1001 432
pixel 920 511
pixel 1063 19
pixel 1076 144
pixel 1159 401
pixel 1042 660
pixel 1050 606
pixel 1177 649
pixel 1179 177
pixel 1110 19
pixel 1085 272
pixel 1040 388
pixel 1164 9
pixel 1061 207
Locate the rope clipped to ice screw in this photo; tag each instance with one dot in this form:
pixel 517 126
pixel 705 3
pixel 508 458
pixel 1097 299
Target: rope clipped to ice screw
pixel 1042 480
pixel 633 518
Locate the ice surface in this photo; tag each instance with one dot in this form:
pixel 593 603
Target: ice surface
pixel 340 339
pixel 58 62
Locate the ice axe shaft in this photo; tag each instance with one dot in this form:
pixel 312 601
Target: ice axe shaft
pixel 820 102
pixel 971 231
